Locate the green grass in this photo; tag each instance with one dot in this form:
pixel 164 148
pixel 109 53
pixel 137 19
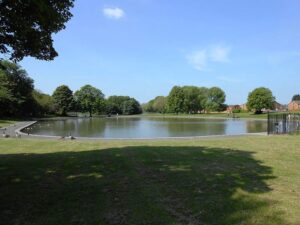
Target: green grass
pixel 247 180
pixel 5 123
pixel 213 115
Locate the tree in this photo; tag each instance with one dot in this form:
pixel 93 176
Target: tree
pixel 215 99
pixel 296 97
pixel 148 107
pixel 44 103
pixel 260 98
pixel 160 104
pixel 131 107
pixel 26 27
pixel 63 99
pixel 90 99
pixel 15 90
pixel 112 108
pixel 176 100
pixel 202 98
pixel 122 105
pixel 115 104
pixel 193 98
pixel 157 105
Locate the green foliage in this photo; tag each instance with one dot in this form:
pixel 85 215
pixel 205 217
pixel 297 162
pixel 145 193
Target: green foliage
pixel 188 99
pixel 194 98
pixel 15 91
pixel 131 107
pixel 236 111
pixel 45 105
pixel 89 99
pixel 101 106
pixel 215 99
pixel 122 105
pixel 157 105
pixel 63 100
pixel 148 107
pixel 115 104
pixel 160 104
pixel 260 98
pixel 26 27
pixel 191 102
pixel 296 97
pixel 176 100
pixel 202 98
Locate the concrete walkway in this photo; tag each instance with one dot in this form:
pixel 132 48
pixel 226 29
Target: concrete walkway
pixel 14 130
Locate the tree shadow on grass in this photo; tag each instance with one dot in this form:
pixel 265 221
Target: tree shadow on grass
pixel 136 185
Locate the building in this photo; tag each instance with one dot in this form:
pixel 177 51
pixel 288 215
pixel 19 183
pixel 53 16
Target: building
pixel 244 107
pixel 294 106
pixel 279 107
pixel 231 108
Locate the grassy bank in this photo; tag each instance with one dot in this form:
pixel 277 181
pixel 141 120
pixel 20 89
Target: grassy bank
pixel 5 123
pixel 247 180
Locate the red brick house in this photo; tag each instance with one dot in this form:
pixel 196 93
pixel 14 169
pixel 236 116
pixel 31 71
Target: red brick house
pixel 230 108
pixel 279 107
pixel 294 106
pixel 244 107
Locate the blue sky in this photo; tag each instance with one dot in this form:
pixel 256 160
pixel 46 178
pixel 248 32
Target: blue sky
pixel 142 48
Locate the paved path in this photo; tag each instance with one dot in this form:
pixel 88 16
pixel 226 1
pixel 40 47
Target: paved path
pixel 14 130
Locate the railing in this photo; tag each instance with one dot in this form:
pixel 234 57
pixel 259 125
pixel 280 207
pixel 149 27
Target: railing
pixel 283 123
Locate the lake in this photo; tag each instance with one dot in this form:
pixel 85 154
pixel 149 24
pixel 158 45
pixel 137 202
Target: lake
pixel 145 127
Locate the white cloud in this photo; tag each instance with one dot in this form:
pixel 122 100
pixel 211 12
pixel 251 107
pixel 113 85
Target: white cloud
pixel 114 13
pixel 220 54
pixel 202 58
pixel 198 59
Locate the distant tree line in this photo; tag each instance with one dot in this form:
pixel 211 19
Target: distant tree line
pixel 188 99
pixel 18 98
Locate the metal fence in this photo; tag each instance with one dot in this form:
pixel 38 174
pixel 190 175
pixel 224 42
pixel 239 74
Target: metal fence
pixel 284 123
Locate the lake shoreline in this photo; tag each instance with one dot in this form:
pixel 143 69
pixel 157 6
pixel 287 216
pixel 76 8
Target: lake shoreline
pixel 23 130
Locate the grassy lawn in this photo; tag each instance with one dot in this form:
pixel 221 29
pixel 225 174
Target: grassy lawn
pixel 5 123
pixel 247 180
pixel 213 115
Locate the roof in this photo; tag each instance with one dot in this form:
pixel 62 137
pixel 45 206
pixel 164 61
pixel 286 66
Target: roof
pixel 297 102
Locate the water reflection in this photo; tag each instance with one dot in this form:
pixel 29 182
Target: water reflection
pixel 144 127
pixel 256 126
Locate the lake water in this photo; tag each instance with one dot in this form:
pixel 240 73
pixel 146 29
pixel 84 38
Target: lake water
pixel 145 127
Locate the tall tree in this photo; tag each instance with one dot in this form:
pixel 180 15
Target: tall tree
pixel 176 100
pixel 44 103
pixel 90 99
pixel 160 104
pixel 63 99
pixel 296 97
pixel 115 104
pixel 202 98
pixel 148 107
pixel 157 105
pixel 26 27
pixel 215 99
pixel 192 102
pixel 15 90
pixel 131 107
pixel 260 98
